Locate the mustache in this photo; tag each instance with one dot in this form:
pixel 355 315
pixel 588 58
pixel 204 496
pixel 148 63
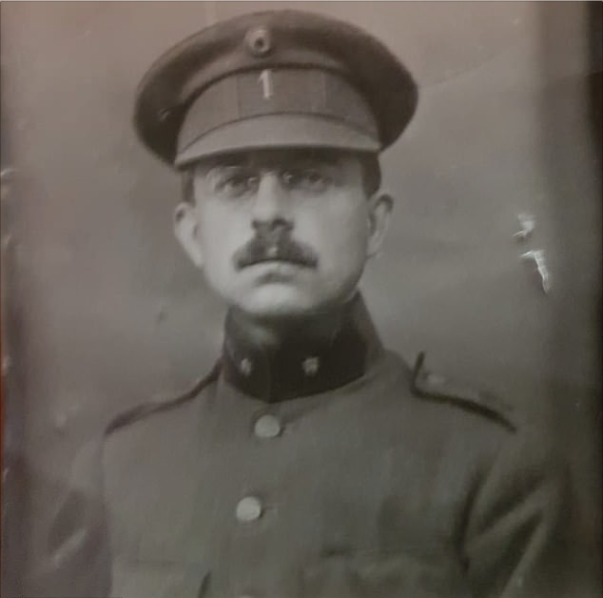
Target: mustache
pixel 275 246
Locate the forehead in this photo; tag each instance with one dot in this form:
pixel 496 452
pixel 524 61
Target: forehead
pixel 280 158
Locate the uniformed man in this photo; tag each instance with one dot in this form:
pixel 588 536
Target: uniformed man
pixel 311 462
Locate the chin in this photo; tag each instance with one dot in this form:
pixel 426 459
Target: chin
pixel 278 301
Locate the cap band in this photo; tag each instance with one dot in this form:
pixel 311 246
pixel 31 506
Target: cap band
pixel 277 91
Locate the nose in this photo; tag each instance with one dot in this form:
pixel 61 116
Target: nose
pixel 270 206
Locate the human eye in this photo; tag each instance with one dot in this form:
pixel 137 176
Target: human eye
pixel 233 182
pixel 309 179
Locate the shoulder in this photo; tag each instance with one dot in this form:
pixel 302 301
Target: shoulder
pixel 431 387
pixel 149 411
pixel 144 445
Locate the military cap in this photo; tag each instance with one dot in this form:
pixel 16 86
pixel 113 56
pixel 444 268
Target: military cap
pixel 273 79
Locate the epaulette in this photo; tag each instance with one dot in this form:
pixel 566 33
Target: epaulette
pixel 157 405
pixel 431 386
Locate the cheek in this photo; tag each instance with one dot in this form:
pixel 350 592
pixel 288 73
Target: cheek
pixel 339 231
pixel 220 231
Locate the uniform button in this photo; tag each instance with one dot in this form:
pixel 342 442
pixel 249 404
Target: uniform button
pixel 249 509
pixel 267 426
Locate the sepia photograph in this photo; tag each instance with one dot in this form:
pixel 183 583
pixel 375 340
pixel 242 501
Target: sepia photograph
pixel 301 299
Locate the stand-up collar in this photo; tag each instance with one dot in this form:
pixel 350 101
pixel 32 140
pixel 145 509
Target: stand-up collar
pixel 313 359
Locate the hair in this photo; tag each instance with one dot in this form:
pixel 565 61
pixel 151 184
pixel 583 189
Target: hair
pixel 371 175
pixel 188 190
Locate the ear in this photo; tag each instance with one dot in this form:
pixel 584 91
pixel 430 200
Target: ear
pixel 186 231
pixel 380 209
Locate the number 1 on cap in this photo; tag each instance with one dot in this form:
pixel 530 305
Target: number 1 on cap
pixel 265 79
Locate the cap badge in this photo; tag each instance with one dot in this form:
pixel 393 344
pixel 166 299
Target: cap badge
pixel 259 41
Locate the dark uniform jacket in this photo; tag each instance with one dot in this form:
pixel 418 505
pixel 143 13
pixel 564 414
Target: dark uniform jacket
pixel 330 470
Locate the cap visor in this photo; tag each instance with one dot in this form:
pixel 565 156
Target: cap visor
pixel 277 130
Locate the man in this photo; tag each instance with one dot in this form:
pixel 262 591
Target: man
pixel 311 462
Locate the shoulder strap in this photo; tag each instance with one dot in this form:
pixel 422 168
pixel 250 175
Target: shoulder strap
pixel 154 406
pixel 433 387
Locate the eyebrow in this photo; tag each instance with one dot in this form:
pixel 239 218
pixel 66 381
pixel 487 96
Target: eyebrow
pixel 244 159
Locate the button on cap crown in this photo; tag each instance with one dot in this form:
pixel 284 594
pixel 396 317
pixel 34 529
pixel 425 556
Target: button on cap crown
pixel 259 41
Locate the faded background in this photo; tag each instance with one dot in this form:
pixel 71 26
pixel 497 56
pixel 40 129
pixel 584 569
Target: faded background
pixel 103 311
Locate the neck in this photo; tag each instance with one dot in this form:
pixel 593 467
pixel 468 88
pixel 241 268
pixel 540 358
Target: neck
pixel 273 333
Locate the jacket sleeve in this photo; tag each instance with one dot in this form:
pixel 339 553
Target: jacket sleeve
pixel 76 558
pixel 516 541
